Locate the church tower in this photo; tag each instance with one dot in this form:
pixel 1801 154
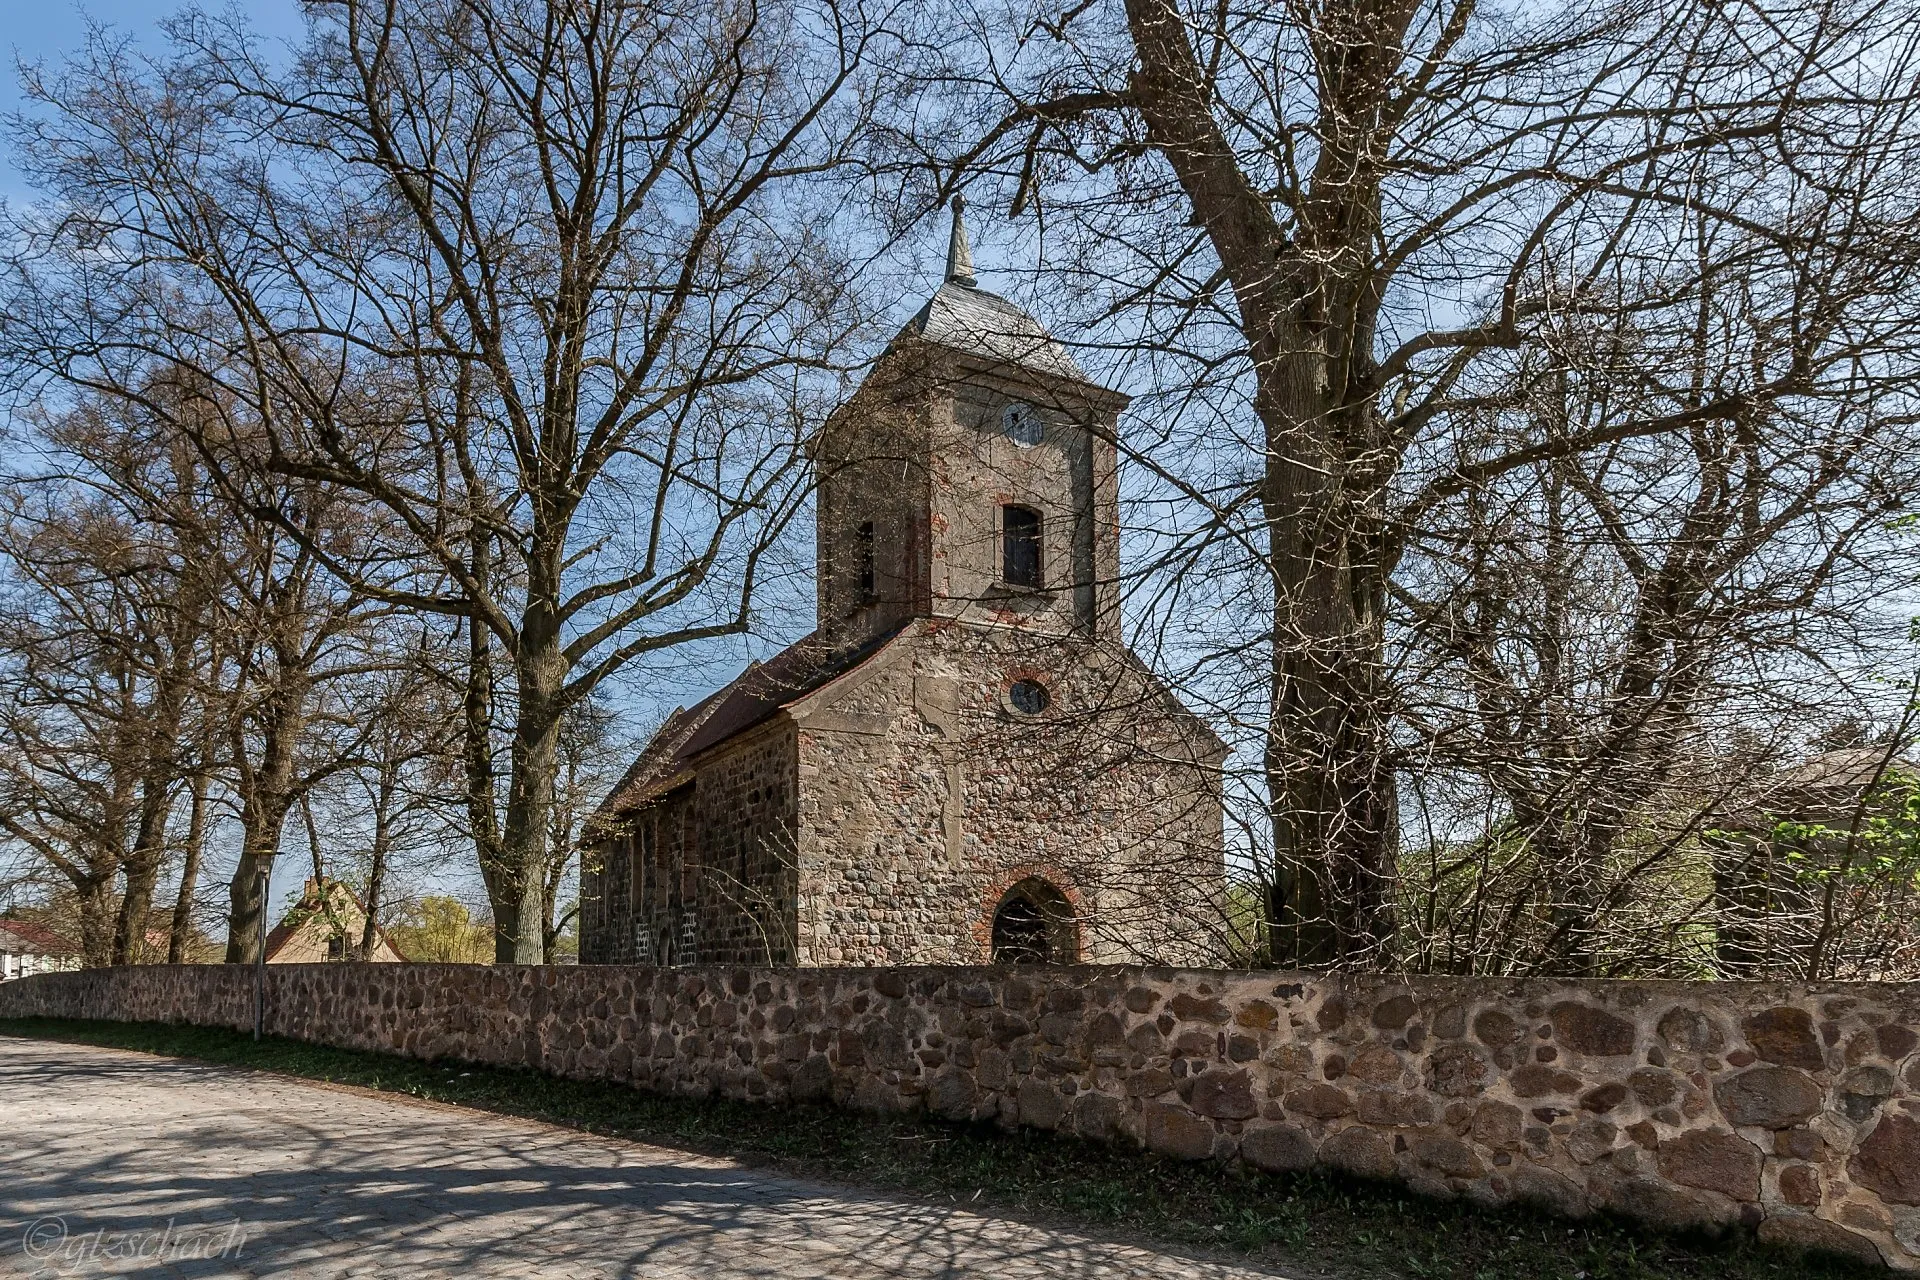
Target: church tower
pixel 972 476
pixel 963 763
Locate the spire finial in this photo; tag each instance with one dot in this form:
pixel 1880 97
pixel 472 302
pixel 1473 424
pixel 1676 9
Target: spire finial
pixel 959 254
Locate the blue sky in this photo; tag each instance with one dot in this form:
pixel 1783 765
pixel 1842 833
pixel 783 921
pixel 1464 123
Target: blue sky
pixel 48 30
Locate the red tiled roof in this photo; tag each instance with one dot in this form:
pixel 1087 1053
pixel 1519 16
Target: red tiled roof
pixel 34 939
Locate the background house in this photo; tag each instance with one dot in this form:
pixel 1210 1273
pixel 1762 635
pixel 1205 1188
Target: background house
pixel 27 949
pixel 327 926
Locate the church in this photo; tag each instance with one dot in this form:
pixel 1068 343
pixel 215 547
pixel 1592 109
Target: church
pixel 964 762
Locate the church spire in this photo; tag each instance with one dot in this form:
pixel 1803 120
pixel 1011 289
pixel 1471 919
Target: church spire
pixel 959 253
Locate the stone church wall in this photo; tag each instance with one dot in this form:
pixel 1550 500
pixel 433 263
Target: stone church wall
pixel 716 873
pixel 1793 1109
pixel 743 819
pixel 924 797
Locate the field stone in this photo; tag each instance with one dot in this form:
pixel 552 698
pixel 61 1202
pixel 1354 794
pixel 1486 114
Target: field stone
pixel 1257 1015
pixel 1457 1071
pixel 1895 1041
pixel 1713 1162
pixel 1592 1138
pixel 1198 1009
pixel 1603 1098
pixel 1800 1184
pixel 1690 1030
pixel 1041 1105
pixel 1377 1064
pixel 1498 1125
pixel 1174 1131
pixel 1359 1151
pixel 1394 1012
pixel 1816 1235
pixel 1495 1029
pixel 1864 1089
pixel 1098 1115
pixel 1536 1080
pixel 1768 1097
pixel 1546 1189
pixel 1785 1035
pixel 1224 1095
pixel 1888 1161
pixel 1654 1087
pixel 952 1094
pixel 1652 1200
pixel 1277 1148
pixel 1449 1155
pixel 1590 1030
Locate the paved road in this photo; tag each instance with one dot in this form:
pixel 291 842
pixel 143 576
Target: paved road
pixel 118 1163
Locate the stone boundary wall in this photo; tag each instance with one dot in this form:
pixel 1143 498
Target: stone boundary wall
pixel 1790 1108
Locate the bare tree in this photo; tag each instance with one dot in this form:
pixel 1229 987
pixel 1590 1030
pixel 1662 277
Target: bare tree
pixel 299 631
pixel 1337 232
pixel 584 252
pixel 116 577
pixel 1608 652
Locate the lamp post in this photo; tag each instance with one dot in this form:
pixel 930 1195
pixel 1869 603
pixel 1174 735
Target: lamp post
pixel 260 953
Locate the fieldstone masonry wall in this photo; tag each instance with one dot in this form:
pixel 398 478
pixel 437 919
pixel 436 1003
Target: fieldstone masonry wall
pixel 1793 1109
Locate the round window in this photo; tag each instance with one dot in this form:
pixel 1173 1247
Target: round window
pixel 1021 422
pixel 1029 697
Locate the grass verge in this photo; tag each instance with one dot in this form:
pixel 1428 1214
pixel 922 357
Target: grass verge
pixel 1315 1222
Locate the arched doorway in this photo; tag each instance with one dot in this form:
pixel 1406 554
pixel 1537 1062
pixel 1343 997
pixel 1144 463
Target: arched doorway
pixel 1034 924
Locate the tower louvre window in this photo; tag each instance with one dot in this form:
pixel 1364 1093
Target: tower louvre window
pixel 863 561
pixel 1020 546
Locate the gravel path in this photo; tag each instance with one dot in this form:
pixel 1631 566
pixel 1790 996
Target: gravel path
pixel 117 1163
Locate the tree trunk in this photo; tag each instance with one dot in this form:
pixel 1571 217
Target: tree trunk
pixel 1329 779
pixel 517 897
pixel 1330 783
pixel 247 906
pixel 96 920
pixel 1307 313
pixel 142 868
pixel 266 796
pixel 377 858
pixel 182 930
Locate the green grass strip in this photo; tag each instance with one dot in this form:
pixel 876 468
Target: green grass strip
pixel 1316 1222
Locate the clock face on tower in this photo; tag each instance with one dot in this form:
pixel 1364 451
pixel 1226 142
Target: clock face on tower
pixel 1021 422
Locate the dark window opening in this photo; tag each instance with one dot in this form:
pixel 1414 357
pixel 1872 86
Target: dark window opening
pixel 336 948
pixel 1020 546
pixel 640 852
pixel 1034 925
pixel 1029 697
pixel 863 561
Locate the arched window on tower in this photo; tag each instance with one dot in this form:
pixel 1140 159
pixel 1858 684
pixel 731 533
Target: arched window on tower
pixel 1034 924
pixel 1020 547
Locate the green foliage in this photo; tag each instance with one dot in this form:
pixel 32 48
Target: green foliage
pixel 440 930
pixel 1316 1223
pixel 1880 847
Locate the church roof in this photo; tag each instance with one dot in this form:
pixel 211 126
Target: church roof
pixel 975 322
pixel 963 317
pixel 751 699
